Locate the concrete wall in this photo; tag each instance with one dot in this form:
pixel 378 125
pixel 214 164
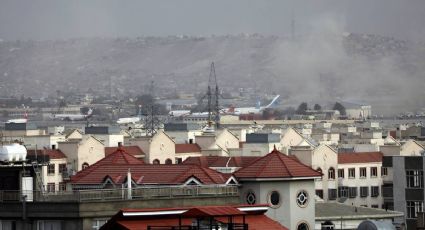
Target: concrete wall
pixel 399 176
pixel 257 149
pixel 90 151
pixel 390 150
pixel 288 213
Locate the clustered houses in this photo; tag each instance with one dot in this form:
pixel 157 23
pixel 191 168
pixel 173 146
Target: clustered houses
pixel 341 163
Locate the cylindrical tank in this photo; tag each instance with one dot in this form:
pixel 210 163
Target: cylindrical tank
pixel 13 152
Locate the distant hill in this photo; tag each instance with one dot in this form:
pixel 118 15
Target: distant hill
pixel 376 69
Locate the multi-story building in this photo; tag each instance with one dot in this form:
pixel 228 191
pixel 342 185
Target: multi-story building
pixel 403 188
pixel 360 177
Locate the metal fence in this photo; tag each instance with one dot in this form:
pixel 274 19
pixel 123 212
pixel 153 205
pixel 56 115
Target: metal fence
pixel 140 193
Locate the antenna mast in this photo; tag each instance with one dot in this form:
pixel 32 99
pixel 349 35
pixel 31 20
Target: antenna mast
pixel 213 97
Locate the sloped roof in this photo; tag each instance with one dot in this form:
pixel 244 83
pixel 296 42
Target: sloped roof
pixel 132 150
pixel 116 165
pixel 142 218
pixel 221 161
pixel 359 157
pixel 52 153
pixel 276 165
pixel 188 148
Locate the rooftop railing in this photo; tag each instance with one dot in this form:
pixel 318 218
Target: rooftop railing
pixel 139 193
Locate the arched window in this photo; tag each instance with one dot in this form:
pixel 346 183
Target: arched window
pixel 168 161
pixel 155 162
pixel 320 171
pixel 85 165
pixel 331 173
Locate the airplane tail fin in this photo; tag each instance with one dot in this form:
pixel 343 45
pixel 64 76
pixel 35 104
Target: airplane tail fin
pixel 90 112
pixel 273 102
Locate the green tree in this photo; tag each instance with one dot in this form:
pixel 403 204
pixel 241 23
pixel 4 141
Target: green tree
pixel 302 108
pixel 317 107
pixel 340 108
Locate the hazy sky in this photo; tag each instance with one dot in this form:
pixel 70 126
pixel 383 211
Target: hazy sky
pixel 58 19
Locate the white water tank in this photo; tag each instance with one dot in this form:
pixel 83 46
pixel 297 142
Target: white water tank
pixel 13 152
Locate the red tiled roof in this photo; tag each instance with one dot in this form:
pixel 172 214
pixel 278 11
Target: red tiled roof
pixel 52 153
pixel 118 158
pixel 256 220
pixel 188 148
pixel 359 157
pixel 221 161
pixel 116 169
pixel 276 165
pixel 132 150
pixel 213 211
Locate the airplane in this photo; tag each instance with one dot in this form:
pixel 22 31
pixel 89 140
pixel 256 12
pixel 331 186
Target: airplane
pixel 128 120
pixel 178 113
pixel 73 117
pixel 251 110
pixel 131 120
pixel 19 120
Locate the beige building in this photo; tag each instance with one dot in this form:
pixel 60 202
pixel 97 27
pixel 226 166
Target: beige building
pixel 324 159
pixel 54 172
pixel 159 149
pixel 411 148
pixel 82 152
pixel 219 142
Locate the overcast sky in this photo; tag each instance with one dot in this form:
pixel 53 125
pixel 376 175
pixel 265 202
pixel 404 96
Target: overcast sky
pixel 59 19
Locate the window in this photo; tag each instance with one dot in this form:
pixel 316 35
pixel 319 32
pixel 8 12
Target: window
pixel 342 192
pixel 362 172
pixel 332 194
pixel 250 198
pixel 384 171
pixel 274 199
pixel 319 193
pixel 352 192
pixel 50 187
pixel 351 173
pixel 375 206
pixel 413 207
pixel 331 173
pixel 62 168
pixel 168 161
pixel 302 198
pixel 374 191
pixel 84 165
pixel 62 186
pixel 320 171
pixel 179 160
pixel 364 191
pixel 373 171
pixel 51 169
pixel 303 226
pixel 414 178
pixel 340 173
pixel 155 162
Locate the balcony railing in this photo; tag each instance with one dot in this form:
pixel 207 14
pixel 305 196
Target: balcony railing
pixel 140 193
